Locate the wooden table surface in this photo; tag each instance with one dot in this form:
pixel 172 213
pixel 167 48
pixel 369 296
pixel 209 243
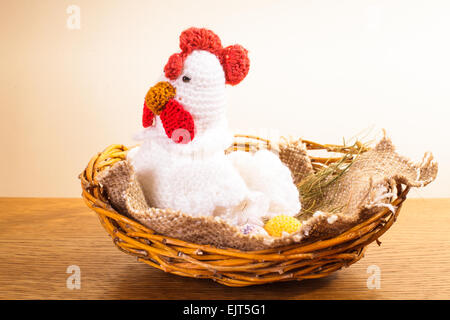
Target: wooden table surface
pixel 41 238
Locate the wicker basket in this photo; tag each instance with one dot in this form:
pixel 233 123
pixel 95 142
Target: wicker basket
pixel 233 267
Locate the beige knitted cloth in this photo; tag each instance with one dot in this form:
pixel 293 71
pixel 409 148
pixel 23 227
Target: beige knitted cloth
pixel 364 189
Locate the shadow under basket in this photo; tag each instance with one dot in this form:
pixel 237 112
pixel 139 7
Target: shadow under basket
pixel 234 267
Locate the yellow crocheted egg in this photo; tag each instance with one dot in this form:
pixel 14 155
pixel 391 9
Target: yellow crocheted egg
pixel 279 224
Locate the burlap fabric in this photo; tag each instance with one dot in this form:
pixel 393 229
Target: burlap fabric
pixel 364 189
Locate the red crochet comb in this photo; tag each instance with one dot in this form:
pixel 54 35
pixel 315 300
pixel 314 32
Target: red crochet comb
pixel 234 59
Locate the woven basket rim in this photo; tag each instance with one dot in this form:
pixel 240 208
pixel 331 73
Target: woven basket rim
pixel 233 267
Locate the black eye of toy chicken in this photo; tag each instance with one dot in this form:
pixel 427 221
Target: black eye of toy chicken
pixel 186 79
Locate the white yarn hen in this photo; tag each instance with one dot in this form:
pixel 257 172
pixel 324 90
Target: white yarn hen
pixel 197 177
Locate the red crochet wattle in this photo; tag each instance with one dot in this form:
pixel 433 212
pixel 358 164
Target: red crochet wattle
pixel 177 122
pixel 147 117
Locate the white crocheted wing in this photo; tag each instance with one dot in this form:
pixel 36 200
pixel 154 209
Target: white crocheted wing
pixel 264 172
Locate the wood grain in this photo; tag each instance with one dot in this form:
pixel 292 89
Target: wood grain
pixel 40 238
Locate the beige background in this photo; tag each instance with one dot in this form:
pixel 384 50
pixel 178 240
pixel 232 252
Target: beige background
pixel 323 70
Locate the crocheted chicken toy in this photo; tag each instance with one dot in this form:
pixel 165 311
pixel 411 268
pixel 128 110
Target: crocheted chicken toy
pixel 181 163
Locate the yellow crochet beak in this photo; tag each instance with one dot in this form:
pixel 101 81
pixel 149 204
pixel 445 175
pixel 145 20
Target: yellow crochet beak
pixel 158 96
